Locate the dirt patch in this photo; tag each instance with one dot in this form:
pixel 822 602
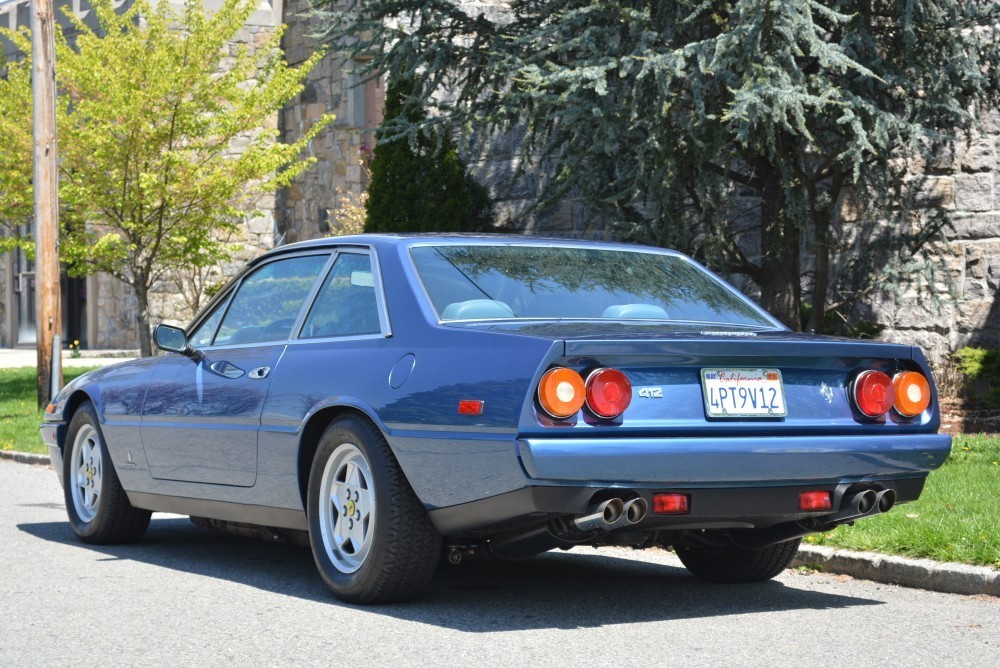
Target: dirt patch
pixel 957 417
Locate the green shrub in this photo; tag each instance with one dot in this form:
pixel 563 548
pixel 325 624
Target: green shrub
pixel 981 368
pixel 423 185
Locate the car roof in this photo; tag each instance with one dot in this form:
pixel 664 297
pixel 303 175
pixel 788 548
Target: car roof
pixel 384 241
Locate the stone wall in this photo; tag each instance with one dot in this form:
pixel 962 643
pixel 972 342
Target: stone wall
pixel 965 307
pixel 308 207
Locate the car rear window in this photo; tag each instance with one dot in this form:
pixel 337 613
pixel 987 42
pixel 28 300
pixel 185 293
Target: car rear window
pixel 482 282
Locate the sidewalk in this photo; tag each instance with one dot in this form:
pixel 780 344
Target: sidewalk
pixel 11 358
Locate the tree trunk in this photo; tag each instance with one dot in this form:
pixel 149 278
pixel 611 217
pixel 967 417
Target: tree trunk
pixel 821 223
pixel 142 318
pixel 780 287
pixel 821 281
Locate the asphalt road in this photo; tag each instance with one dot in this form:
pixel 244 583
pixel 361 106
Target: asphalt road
pixel 189 596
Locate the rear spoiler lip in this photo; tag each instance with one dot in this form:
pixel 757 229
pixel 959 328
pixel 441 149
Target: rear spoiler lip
pixel 739 347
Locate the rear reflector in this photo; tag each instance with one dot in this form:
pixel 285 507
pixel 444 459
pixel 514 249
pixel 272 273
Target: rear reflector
pixel 671 504
pixel 815 500
pixel 470 407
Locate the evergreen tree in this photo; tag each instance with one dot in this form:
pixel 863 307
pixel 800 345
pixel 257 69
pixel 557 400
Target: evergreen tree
pixel 736 130
pixel 418 182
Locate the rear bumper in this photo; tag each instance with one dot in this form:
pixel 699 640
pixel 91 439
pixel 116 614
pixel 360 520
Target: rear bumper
pixel 743 461
pixel 736 507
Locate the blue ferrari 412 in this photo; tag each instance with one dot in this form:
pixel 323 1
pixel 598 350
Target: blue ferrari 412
pixel 392 400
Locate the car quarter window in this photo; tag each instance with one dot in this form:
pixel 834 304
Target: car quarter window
pixel 268 301
pixel 346 305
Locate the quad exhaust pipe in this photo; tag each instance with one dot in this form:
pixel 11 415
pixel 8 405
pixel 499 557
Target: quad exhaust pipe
pixel 861 503
pixel 600 518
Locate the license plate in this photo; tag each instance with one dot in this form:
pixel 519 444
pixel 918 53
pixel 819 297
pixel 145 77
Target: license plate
pixel 743 393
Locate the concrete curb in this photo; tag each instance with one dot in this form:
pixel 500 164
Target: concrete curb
pixel 917 573
pixel 26 458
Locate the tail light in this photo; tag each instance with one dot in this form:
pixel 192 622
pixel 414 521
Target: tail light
pixel 912 393
pixel 609 393
pixel 873 393
pixel 561 392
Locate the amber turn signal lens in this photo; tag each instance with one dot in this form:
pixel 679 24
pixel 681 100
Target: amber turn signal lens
pixel 913 393
pixel 561 392
pixel 609 393
pixel 873 393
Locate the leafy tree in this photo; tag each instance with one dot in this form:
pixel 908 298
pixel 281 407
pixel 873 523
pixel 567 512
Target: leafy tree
pixel 16 198
pixel 165 138
pixel 419 183
pixel 737 130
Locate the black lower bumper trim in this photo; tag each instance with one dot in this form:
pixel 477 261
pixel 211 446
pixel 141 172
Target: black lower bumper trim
pixel 746 507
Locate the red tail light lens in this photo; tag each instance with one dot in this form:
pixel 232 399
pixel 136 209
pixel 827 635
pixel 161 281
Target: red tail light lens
pixel 561 392
pixel 873 393
pixel 671 504
pixel 913 393
pixel 815 500
pixel 609 392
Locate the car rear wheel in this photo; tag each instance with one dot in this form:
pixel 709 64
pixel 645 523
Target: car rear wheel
pixel 98 508
pixel 371 537
pixel 734 564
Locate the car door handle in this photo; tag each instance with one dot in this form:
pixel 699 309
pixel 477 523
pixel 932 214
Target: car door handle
pixel 260 372
pixel 226 369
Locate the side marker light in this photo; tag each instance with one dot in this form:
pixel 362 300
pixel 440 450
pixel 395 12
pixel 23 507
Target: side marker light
pixel 471 407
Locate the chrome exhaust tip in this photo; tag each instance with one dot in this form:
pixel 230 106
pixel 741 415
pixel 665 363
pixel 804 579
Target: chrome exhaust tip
pixel 885 500
pixel 864 501
pixel 601 515
pixel 635 510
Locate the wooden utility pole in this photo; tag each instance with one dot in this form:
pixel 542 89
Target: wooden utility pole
pixel 46 184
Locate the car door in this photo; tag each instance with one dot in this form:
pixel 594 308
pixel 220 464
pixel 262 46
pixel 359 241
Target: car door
pixel 201 418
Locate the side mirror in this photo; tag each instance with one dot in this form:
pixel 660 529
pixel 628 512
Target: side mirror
pixel 171 339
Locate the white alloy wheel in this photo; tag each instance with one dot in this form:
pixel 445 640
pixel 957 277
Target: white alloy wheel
pixel 347 508
pixel 86 473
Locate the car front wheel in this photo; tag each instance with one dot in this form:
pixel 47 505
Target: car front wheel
pixel 98 508
pixel 734 564
pixel 371 537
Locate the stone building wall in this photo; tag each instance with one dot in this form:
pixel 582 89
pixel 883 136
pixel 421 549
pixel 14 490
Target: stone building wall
pixel 965 307
pixel 308 207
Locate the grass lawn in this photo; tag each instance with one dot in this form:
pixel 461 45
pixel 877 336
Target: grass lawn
pixel 19 418
pixel 956 519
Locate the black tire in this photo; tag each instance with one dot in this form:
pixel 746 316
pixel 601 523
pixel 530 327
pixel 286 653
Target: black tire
pixel 392 548
pixel 98 508
pixel 735 564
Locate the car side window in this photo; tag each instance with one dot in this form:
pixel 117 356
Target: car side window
pixel 346 305
pixel 269 300
pixel 203 335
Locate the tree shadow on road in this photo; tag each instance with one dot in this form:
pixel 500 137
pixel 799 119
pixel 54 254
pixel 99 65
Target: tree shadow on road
pixel 583 588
